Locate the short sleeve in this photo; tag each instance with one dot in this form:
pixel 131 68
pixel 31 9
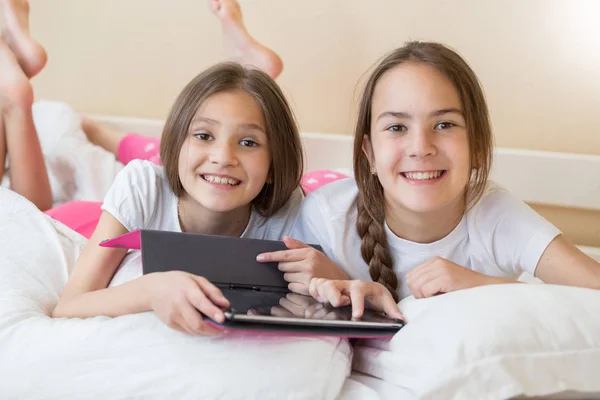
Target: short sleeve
pixel 132 199
pixel 311 225
pixel 514 234
pixel 278 225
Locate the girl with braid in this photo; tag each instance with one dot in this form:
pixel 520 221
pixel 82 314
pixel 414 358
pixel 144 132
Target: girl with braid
pixel 421 217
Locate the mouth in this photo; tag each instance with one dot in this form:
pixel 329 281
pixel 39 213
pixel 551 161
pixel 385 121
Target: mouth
pixel 423 175
pixel 221 180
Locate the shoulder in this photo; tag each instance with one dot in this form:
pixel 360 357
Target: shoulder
pixel 142 173
pixel 334 200
pixel 290 209
pixel 501 214
pixel 496 201
pixel 138 193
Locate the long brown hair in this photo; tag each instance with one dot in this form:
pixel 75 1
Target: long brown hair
pixel 370 202
pixel 282 131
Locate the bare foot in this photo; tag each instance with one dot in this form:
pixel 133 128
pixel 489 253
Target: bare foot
pixel 15 88
pixel 243 47
pixel 31 55
pixel 101 135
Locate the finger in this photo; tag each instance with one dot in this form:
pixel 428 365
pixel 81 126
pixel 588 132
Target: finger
pixel 191 317
pixel 313 288
pixel 297 277
pixel 332 292
pixel 292 266
pixel 209 330
pixel 389 306
pixel 416 285
pixel 321 294
pixel 357 297
pixel 282 256
pixel 211 291
pixel 177 322
pixel 299 288
pixel 433 287
pixel 292 243
pixel 205 306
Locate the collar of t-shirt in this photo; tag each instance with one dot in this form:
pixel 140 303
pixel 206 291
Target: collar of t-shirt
pixel 437 247
pixel 247 230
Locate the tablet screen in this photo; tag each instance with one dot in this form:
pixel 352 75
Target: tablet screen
pixel 293 308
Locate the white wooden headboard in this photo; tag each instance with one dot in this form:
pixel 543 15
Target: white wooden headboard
pixel 538 177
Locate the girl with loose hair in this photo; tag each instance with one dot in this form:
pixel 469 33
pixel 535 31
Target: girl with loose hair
pixel 231 165
pixel 421 216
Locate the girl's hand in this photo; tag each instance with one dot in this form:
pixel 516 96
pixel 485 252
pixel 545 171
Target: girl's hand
pixel 301 263
pixel 341 293
pixel 178 298
pixel 439 275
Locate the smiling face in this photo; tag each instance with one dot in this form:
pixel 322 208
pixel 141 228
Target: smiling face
pixel 418 144
pixel 225 159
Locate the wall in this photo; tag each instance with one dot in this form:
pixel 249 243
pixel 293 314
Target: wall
pixel 538 60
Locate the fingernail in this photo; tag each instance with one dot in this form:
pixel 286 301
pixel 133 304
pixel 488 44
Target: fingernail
pixel 318 306
pixel 260 258
pixel 218 317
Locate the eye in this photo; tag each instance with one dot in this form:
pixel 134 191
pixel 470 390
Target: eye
pixel 444 125
pixel 202 136
pixel 396 128
pixel 248 143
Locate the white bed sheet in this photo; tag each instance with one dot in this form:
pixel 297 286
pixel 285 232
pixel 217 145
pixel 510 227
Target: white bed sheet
pixel 364 387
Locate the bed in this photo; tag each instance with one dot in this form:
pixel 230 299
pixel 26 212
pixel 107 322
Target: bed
pixel 534 341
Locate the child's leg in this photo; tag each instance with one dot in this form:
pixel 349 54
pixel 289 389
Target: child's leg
pixel 30 55
pixel 101 135
pixel 125 146
pixel 27 171
pixel 243 47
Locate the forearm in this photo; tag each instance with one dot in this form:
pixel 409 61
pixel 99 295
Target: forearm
pixel 496 280
pixel 129 298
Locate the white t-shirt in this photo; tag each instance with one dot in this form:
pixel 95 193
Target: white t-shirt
pixel 499 236
pixel 140 198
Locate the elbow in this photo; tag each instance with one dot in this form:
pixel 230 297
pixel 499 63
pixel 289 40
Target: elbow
pixel 59 311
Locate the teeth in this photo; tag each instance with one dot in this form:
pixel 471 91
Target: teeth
pixel 422 176
pixel 220 180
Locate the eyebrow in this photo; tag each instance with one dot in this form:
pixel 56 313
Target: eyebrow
pixel 405 115
pixel 215 122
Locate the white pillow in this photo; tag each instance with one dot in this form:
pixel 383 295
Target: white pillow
pixel 134 356
pixel 493 342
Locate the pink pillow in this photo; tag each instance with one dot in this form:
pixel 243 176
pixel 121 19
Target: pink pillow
pixel 315 179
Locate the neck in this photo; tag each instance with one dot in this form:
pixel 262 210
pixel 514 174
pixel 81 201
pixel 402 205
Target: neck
pixel 426 227
pixel 195 218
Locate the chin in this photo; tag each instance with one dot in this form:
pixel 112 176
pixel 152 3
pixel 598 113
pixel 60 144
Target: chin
pixel 422 206
pixel 219 206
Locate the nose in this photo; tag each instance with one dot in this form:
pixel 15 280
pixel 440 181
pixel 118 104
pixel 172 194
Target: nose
pixel 223 153
pixel 422 143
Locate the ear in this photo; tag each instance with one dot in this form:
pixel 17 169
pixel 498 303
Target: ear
pixel 367 148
